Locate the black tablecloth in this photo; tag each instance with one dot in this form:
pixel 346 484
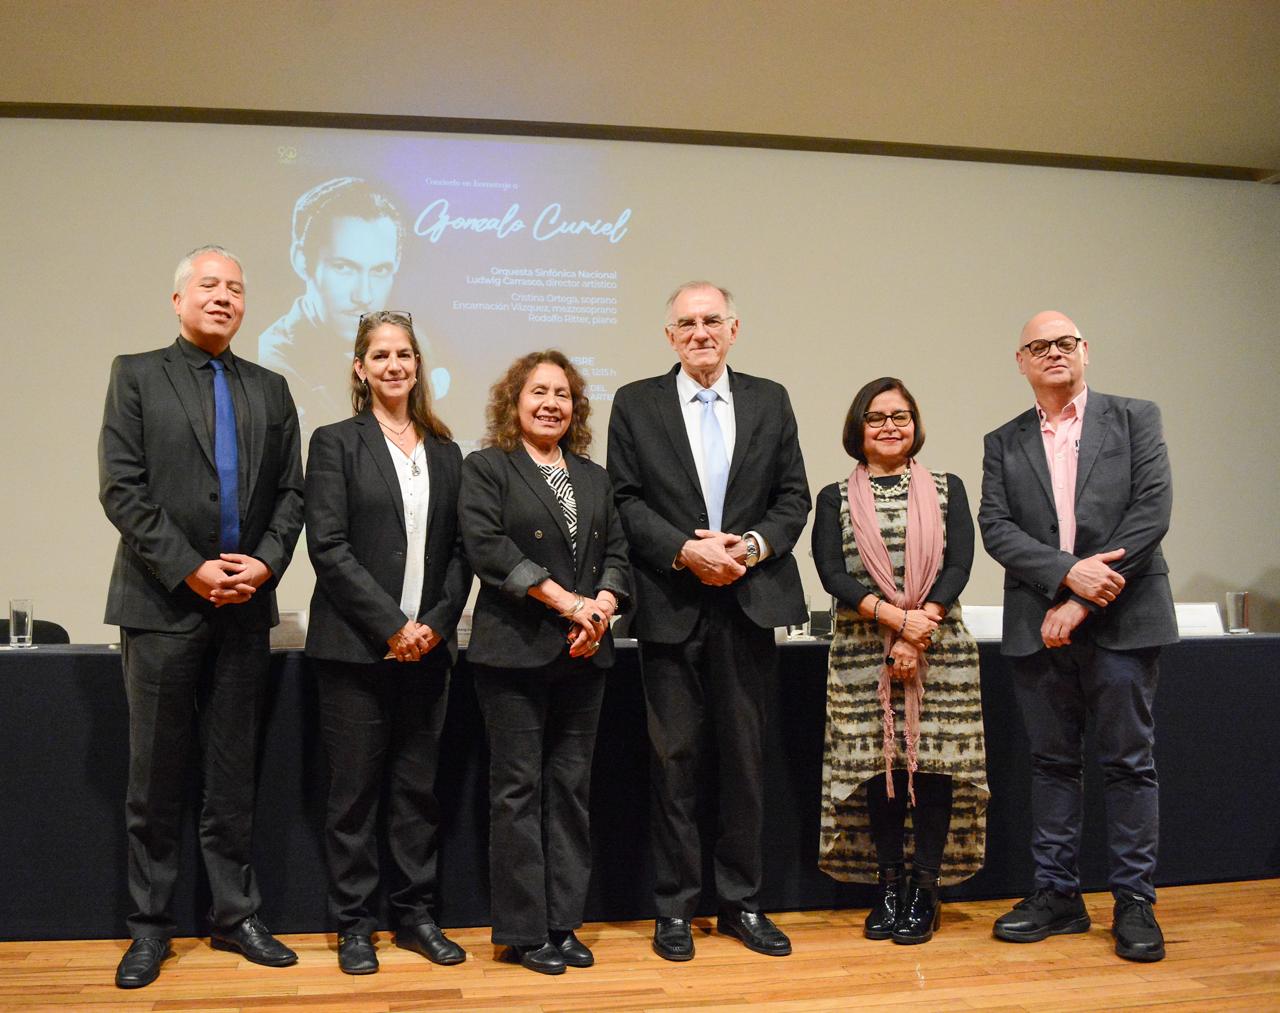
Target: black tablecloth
pixel 64 740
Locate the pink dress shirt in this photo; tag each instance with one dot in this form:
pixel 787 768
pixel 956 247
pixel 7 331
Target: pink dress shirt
pixel 1062 450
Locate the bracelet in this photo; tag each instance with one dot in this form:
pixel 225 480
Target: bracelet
pixel 875 612
pixel 573 609
pixel 905 613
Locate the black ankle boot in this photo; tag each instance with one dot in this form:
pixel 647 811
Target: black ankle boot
pixel 882 918
pixel 921 914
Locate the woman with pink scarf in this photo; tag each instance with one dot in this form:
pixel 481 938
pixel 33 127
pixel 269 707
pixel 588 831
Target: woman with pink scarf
pixel 905 765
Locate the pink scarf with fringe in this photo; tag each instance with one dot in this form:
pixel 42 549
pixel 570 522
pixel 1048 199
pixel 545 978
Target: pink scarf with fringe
pixel 923 558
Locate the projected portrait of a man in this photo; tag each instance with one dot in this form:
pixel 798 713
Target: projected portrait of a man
pixel 347 242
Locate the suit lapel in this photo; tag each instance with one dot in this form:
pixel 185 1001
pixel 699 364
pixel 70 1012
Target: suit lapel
pixel 442 486
pixel 746 420
pixel 1031 441
pixel 671 412
pixel 184 383
pixel 376 444
pixel 255 439
pixel 1097 420
pixel 533 478
pixel 586 506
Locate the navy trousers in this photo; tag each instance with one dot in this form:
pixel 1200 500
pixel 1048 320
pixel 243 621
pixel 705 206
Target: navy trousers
pixel 1057 690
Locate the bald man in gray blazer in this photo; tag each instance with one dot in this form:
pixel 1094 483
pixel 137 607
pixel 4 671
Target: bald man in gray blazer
pixel 1076 497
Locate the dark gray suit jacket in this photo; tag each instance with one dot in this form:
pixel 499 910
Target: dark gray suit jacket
pixel 159 486
pixel 660 501
pixel 357 541
pixel 1124 496
pixel 516 536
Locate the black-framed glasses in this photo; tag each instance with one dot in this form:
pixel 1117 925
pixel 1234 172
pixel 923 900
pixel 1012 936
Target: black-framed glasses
pixel 383 316
pixel 687 325
pixel 1040 347
pixel 876 420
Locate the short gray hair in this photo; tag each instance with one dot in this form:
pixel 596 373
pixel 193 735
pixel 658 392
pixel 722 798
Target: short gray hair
pixel 183 273
pixel 689 286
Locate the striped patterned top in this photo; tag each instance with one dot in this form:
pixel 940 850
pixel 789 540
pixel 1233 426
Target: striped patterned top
pixel 558 480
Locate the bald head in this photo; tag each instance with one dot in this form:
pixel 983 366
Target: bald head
pixel 1047 325
pixel 1055 373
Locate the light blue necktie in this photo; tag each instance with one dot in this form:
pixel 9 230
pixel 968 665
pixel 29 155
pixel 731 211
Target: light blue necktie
pixel 226 455
pixel 715 459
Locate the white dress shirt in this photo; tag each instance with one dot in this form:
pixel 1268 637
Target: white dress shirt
pixel 415 491
pixel 687 390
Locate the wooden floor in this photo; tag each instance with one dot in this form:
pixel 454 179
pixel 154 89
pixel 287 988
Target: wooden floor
pixel 1223 944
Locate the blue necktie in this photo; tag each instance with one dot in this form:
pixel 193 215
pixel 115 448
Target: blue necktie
pixel 226 455
pixel 715 459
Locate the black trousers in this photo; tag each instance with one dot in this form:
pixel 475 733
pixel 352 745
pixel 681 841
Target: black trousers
pixel 541 724
pixel 205 685
pixel 708 693
pixel 1057 689
pixel 930 818
pixel 381 726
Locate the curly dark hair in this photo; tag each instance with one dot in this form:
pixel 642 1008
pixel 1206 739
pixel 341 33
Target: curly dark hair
pixel 855 427
pixel 502 415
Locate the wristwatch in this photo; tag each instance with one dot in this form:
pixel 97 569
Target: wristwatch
pixel 753 551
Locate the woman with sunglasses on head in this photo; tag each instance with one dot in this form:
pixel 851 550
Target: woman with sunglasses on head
pixel 905 756
pixel 391 582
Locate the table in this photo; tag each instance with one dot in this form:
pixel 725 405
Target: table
pixel 64 738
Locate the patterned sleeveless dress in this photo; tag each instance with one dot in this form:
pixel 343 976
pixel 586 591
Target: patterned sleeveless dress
pixel 951 735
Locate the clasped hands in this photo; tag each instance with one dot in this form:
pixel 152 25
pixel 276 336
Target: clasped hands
pixel 1093 580
pixel 412 641
pixel 587 623
pixel 717 558
pixel 911 642
pixel 231 579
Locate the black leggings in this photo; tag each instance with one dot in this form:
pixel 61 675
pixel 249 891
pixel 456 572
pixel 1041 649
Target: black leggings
pixel 931 819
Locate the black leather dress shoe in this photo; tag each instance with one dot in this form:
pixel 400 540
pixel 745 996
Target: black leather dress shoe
pixel 428 940
pixel 673 939
pixel 141 962
pixel 254 942
pixel 356 954
pixel 1045 913
pixel 541 957
pixel 1137 933
pixel 573 949
pixel 756 932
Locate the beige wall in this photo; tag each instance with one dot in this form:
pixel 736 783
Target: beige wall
pixel 847 267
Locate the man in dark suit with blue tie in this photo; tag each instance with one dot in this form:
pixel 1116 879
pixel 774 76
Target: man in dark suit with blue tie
pixel 1076 497
pixel 200 472
pixel 711 489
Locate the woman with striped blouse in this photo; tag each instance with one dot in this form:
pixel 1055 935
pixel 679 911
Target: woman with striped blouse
pixel 542 534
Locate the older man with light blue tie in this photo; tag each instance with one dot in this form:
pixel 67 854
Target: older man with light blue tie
pixel 711 488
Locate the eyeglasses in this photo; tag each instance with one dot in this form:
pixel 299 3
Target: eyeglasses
pixel 1040 347
pixel 876 420
pixel 686 325
pixel 381 316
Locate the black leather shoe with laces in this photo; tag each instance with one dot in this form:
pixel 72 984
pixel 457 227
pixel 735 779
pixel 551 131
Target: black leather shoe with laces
pixel 1045 913
pixel 356 954
pixel 254 942
pixel 1137 933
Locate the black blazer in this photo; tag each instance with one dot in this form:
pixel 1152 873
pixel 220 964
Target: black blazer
pixel 357 542
pixel 158 484
pixel 516 537
pixel 1124 497
pixel 660 501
